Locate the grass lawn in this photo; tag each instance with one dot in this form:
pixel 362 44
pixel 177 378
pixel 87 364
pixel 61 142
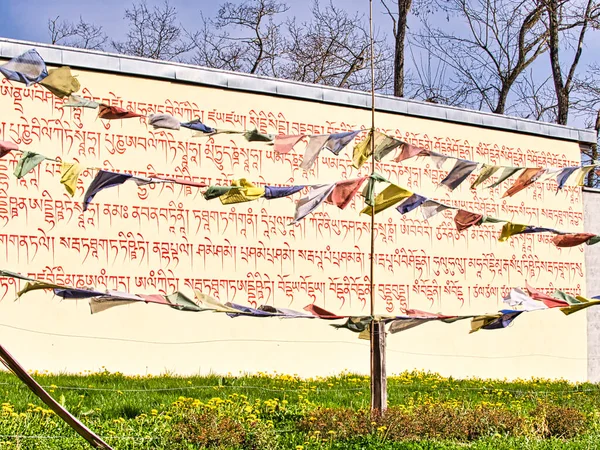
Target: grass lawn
pixel 427 411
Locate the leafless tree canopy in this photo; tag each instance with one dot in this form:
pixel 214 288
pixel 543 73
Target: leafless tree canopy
pixel 81 34
pixel 483 59
pixel 154 33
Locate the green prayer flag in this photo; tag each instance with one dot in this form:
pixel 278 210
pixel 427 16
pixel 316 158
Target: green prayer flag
pixel 255 136
pixel 593 240
pixel 216 191
pixel 183 303
pixel 28 162
pixel 369 191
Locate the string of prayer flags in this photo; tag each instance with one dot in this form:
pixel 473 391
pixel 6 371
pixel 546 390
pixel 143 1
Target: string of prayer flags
pixel 163 121
pixel 27 162
pixel 243 191
pixel 28 68
pixel 390 196
pixel 69 174
pixel 61 82
pixel 196 125
pixel 317 195
pixel 285 143
pixel 459 173
pixel 76 101
pixel 115 112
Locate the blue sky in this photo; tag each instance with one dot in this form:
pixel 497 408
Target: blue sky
pixel 28 20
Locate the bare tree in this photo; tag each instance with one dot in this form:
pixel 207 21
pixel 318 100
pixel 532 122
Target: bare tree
pixel 334 49
pixel 81 34
pixel 567 22
pixel 154 32
pixel 242 37
pixel 399 27
pixel 500 39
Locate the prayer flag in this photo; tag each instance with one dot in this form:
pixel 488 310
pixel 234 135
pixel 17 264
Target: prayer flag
pixel 344 192
pixel 465 219
pixel 27 68
pixel 317 195
pixel 272 192
pixel 528 177
pixel 459 173
pixel 412 202
pixel 285 143
pixel 69 174
pixel 571 239
pixel 314 147
pixel 243 191
pixel 103 180
pixel 337 141
pixel 114 112
pixel 28 162
pixel 387 198
pixel 166 121
pixel 61 82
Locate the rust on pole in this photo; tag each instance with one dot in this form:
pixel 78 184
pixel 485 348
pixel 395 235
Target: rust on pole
pixel 378 370
pixel 13 365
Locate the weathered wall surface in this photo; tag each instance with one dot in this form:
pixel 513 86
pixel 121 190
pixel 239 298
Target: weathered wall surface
pixel 160 238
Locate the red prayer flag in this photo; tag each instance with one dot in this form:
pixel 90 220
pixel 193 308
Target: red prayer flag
pixel 114 112
pixel 571 240
pixel 321 313
pixel 465 219
pixel 549 301
pixel 344 192
pixel 285 142
pixel 6 147
pixel 525 179
pixel 409 151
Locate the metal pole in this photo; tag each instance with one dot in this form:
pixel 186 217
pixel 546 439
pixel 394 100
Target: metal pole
pixel 378 374
pixel 13 365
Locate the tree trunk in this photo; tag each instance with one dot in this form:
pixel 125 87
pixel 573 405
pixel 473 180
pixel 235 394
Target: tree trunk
pixel 403 10
pixel 562 97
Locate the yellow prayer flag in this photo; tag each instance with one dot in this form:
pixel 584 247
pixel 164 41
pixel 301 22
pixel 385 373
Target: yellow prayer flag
pixel 36 285
pixel 477 323
pixel 486 172
pixel 69 174
pixel 212 303
pixel 244 192
pixel 510 229
pixel 362 151
pixel 582 173
pixel 388 197
pixel 585 303
pixel 60 82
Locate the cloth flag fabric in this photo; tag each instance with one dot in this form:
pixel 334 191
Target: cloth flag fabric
pixel 344 192
pixel 73 293
pixel 243 191
pixel 35 286
pixel 28 162
pixel 519 298
pixel 246 311
pixel 571 239
pixel 165 121
pixel 510 229
pixel 69 174
pixel 390 196
pixel 583 304
pixel 103 180
pixel 284 312
pixel 183 303
pixel 355 324
pixel 409 151
pixel 459 173
pixel 564 175
pixel 7 147
pixel 430 208
pixel 369 191
pixel 549 301
pixel 528 177
pixel 27 68
pixel 256 136
pixel 321 313
pixel 76 101
pixel 593 240
pixel 485 173
pixel 581 173
pixel 272 192
pixel 212 303
pixel 531 229
pixel 438 159
pixel 412 202
pixel 507 172
pixel 494 321
pixel 314 147
pixel 465 219
pixel 362 151
pixel 61 82
pixel 115 112
pixel 285 143
pixel 216 191
pixel 196 125
pixel 384 145
pixel 336 142
pixel 317 195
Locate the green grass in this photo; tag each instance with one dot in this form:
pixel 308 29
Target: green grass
pixel 269 411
